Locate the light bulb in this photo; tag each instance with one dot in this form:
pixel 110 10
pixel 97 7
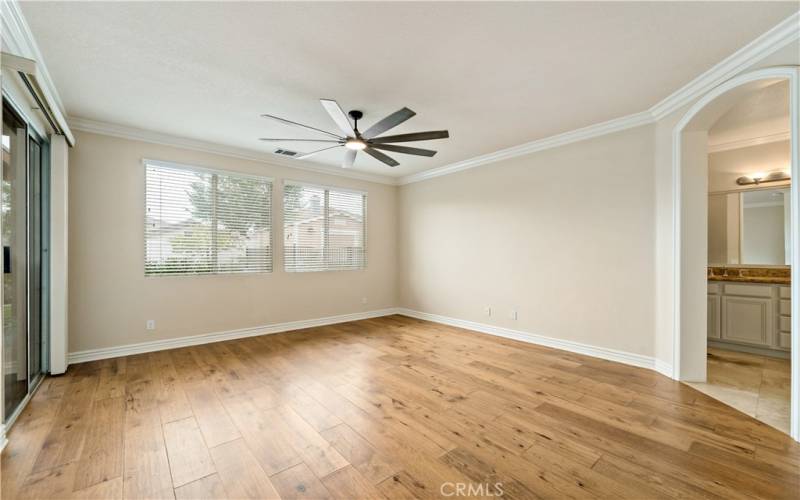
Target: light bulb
pixel 355 144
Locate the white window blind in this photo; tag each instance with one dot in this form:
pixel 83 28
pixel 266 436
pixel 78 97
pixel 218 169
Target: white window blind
pixel 324 228
pixel 206 222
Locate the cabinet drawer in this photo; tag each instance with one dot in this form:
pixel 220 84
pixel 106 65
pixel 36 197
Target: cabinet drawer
pixel 786 307
pixel 748 290
pixel 786 292
pixel 713 308
pixel 785 324
pixel 714 288
pixel 784 340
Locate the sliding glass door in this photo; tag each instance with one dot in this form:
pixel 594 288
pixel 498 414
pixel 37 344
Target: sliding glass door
pixel 37 260
pixel 15 265
pixel 22 212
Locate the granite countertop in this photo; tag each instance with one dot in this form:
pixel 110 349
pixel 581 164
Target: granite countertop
pixel 745 274
pixel 772 280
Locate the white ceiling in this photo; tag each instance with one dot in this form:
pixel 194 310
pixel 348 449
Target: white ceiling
pixel 761 114
pixel 495 74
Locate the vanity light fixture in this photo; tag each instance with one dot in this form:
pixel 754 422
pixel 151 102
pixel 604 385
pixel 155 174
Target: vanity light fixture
pixel 746 180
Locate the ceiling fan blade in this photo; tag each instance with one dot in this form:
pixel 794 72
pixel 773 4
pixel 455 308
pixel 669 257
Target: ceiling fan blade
pixel 349 158
pixel 404 149
pixel 270 139
pixel 307 155
pixel 381 157
pixel 416 136
pixel 387 123
pixel 308 127
pixel 341 120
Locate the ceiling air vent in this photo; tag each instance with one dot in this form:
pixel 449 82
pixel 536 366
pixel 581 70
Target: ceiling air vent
pixel 285 152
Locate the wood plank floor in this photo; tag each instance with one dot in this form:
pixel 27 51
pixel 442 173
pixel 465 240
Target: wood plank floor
pixel 385 408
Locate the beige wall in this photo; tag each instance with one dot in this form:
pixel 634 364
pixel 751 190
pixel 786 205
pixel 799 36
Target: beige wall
pixel 724 213
pixel 565 236
pixel 610 287
pixel 718 229
pixel 110 299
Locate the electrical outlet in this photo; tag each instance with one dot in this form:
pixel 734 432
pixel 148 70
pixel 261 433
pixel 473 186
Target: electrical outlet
pixel 513 314
pixel 151 324
pixel 488 310
pixel 363 300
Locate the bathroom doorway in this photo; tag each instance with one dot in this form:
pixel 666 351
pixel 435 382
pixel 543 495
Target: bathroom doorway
pixel 735 304
pixel 749 257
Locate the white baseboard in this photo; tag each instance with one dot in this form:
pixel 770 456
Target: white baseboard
pixel 664 368
pixel 566 345
pixel 3 440
pixel 206 338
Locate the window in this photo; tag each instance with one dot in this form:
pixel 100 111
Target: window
pixel 324 229
pixel 201 221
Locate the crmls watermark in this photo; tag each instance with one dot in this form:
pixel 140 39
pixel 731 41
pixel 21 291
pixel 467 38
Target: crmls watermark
pixel 471 489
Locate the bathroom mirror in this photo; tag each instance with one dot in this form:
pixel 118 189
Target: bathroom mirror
pixel 749 227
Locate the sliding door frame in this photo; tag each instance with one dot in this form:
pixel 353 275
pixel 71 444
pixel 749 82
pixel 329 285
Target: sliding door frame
pixel 44 252
pixel 33 133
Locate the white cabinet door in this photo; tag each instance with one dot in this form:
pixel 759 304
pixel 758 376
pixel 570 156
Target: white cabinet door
pixel 713 316
pixel 747 320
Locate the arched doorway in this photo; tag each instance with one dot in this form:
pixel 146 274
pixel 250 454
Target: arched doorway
pixel 690 172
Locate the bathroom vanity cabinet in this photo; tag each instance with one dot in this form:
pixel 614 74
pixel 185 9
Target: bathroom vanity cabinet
pixel 749 314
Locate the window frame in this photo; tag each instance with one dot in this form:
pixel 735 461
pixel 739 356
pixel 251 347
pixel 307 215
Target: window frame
pixel 327 189
pixel 212 171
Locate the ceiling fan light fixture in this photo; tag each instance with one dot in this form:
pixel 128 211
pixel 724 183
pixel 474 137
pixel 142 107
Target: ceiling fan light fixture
pixel 370 142
pixel 355 144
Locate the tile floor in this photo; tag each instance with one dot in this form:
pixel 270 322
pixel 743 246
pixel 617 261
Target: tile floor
pixel 753 384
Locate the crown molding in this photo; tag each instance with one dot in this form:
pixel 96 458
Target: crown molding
pixel 746 143
pixel 18 39
pixel 138 134
pixel 786 32
pixel 781 35
pixel 554 141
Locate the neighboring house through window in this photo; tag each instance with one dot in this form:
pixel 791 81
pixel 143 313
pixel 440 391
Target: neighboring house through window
pixel 324 228
pixel 201 221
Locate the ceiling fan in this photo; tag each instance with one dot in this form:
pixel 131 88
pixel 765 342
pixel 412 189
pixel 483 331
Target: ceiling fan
pixel 368 141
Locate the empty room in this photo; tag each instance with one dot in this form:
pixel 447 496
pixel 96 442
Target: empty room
pixel 389 250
